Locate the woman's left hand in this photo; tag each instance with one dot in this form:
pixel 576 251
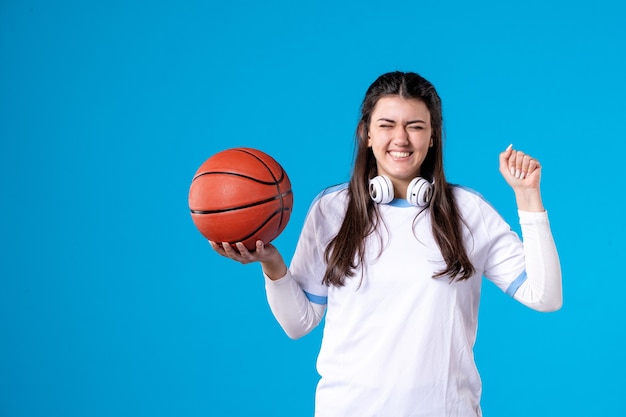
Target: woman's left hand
pixel 521 171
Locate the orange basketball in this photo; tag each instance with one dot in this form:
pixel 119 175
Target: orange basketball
pixel 240 195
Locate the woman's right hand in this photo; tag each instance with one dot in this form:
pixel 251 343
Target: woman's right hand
pixel 269 257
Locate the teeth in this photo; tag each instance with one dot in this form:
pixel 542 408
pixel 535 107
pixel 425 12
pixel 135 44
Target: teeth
pixel 399 154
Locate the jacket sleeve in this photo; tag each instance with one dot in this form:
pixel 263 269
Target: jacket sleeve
pixel 541 289
pixel 295 313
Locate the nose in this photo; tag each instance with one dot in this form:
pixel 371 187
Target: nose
pixel 400 136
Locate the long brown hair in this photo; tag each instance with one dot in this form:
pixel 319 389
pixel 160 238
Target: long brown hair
pixel 346 251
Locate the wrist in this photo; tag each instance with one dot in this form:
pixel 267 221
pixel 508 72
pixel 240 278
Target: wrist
pixel 529 199
pixel 274 270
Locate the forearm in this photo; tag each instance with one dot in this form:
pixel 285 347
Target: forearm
pixel 290 306
pixel 542 289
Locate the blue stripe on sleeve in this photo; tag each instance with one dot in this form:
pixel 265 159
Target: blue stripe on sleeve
pixel 513 287
pixel 317 299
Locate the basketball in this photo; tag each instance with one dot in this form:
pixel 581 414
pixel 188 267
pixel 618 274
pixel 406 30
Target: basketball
pixel 240 195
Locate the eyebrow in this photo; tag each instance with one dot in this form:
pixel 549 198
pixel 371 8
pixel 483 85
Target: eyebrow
pixel 383 119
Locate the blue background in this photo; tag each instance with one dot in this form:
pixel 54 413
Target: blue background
pixel 112 303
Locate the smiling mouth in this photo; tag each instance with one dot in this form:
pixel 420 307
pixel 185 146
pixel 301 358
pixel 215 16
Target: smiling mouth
pixel 397 155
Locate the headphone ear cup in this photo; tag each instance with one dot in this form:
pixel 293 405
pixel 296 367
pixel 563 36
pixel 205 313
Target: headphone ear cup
pixel 381 189
pixel 419 192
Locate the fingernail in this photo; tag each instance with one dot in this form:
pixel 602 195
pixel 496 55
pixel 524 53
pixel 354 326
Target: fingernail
pixel 517 173
pixel 512 170
pixel 509 147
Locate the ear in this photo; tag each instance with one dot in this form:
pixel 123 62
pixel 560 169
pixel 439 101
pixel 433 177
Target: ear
pixel 364 133
pixel 431 143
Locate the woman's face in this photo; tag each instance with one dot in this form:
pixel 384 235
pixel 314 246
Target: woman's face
pixel 400 135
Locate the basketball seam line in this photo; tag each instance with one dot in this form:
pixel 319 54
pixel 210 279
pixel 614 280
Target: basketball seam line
pixel 281 197
pixel 276 180
pixel 269 218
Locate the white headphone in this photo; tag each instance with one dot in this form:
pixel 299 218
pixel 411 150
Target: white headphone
pixel 418 193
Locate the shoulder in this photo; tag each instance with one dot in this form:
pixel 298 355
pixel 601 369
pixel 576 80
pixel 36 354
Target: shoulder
pixel 478 214
pixel 328 208
pixel 331 200
pixel 470 201
pixel 332 191
pixel 333 196
pixel 467 195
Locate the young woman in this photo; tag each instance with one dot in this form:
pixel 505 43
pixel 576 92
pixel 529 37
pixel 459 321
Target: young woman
pixel 395 259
